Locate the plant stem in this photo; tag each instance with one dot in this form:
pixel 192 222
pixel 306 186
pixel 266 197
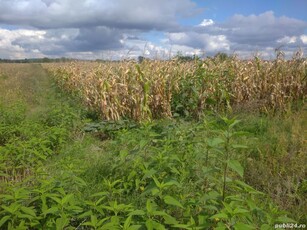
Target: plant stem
pixel 225 163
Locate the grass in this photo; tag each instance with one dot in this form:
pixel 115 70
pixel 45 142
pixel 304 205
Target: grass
pixel 277 159
pixel 61 168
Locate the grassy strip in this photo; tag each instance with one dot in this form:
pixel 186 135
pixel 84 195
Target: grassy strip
pixel 35 122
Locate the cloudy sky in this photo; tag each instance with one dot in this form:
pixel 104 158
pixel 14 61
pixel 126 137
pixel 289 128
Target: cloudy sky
pixel 117 29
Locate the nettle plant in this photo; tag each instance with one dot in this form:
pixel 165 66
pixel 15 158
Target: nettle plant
pixel 238 205
pixel 173 180
pixel 158 178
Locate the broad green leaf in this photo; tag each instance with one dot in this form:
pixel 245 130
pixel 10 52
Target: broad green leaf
pixel 151 224
pixel 219 216
pixel 127 222
pixel 215 142
pixel 137 213
pixel 80 181
pixel 172 201
pixel 4 219
pixel 150 206
pixel 22 226
pixel 13 208
pixel 181 226
pixel 159 213
pixel 285 219
pixel 174 170
pixel 236 166
pixel 25 216
pixel 7 197
pixel 143 143
pixel 220 228
pixel 149 173
pixel 87 223
pixel 100 200
pixel 100 222
pixel 228 207
pixel 74 208
pixel 51 210
pixel 86 214
pixel 100 194
pixel 233 123
pixel 172 182
pixel 135 227
pixel 208 170
pixel 61 223
pixel 158 184
pixel 94 220
pixel 107 207
pixel 242 226
pixel 265 227
pixel 192 221
pixel 59 201
pixel 211 207
pixel 28 210
pixel 155 191
pixel 247 187
pixel 251 204
pixel 170 220
pixel 240 211
pixel 202 219
pixel 115 220
pixel 149 189
pixel 132 174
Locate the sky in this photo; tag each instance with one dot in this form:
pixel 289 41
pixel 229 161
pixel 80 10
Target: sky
pixel 120 29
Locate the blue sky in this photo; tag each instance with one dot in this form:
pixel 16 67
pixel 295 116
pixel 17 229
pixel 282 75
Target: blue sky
pixel 220 10
pixel 120 29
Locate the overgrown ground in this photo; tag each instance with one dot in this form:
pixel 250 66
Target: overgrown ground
pixel 61 168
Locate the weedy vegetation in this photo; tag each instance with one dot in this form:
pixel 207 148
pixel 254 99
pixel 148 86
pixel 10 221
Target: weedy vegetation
pixel 218 143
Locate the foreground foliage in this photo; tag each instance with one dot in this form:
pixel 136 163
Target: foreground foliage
pixel 158 176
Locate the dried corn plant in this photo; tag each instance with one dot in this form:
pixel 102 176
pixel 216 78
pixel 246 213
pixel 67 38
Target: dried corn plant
pixel 155 89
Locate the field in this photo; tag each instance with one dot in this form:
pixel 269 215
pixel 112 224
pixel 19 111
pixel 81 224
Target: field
pixel 218 143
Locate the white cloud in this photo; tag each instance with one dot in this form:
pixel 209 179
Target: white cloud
pixel 10 50
pixel 201 41
pixel 186 50
pixel 206 22
pixel 138 47
pixel 287 40
pixel 304 38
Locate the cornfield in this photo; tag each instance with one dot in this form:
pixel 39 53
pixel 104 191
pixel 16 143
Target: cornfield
pixel 157 89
